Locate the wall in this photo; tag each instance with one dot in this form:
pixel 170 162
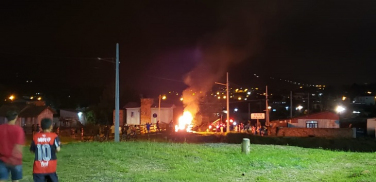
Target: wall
pixel 146 110
pixel 135 120
pixel 45 114
pixel 121 117
pixel 166 115
pixel 371 124
pixel 316 132
pixel 321 123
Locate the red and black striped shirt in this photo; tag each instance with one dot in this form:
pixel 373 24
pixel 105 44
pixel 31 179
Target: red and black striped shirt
pixel 44 146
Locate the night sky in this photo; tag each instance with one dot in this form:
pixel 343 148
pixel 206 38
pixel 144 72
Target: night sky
pixel 56 43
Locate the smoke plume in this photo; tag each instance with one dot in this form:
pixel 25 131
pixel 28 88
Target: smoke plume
pixel 217 52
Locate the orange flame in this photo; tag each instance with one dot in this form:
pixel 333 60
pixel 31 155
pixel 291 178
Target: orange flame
pixel 185 122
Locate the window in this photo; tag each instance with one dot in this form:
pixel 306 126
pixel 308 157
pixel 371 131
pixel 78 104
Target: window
pixel 311 124
pixel 132 114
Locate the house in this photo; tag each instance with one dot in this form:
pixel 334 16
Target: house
pixel 29 114
pixel 148 112
pixel 71 117
pixel 133 110
pixel 324 119
pixel 34 114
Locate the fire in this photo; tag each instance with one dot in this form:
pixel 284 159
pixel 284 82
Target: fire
pixel 185 122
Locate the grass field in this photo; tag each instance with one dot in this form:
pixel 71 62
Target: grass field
pixel 149 161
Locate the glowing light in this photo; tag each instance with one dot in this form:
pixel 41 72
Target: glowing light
pixel 234 123
pixel 224 97
pixel 343 98
pixel 11 97
pixel 217 93
pixel 39 98
pixel 31 97
pixel 164 97
pixel 236 109
pixel 249 93
pixel 79 114
pixel 181 99
pixel 340 109
pixel 210 126
pixel 299 108
pixel 239 98
pixel 219 97
pixel 185 122
pixel 369 92
pixel 269 107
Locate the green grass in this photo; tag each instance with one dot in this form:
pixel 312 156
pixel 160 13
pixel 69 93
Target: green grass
pixel 148 161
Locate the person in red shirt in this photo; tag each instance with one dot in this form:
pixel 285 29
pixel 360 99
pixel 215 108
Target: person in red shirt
pixel 12 139
pixel 45 145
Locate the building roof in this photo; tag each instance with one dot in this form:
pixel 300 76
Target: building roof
pixel 163 105
pixel 34 111
pixel 138 105
pixel 320 115
pixel 132 105
pixel 70 110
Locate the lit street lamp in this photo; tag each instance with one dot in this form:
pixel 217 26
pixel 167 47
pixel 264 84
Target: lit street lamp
pixel 299 108
pixel 160 97
pixel 339 110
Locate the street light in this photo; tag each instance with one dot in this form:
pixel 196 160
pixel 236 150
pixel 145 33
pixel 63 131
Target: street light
pixel 228 101
pixel 11 97
pixel 299 108
pixel 111 60
pixel 340 109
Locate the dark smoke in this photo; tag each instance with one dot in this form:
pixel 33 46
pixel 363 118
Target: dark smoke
pixel 237 41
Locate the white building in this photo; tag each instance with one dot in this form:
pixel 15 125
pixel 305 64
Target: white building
pixel 317 120
pixel 70 117
pixel 367 100
pixel 135 113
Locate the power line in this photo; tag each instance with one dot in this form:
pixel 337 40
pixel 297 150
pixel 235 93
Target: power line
pixel 166 79
pixel 44 56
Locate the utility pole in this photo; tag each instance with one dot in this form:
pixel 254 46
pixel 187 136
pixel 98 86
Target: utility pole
pixel 159 108
pixel 228 104
pixel 267 107
pixel 290 104
pixel 308 105
pixel 228 101
pixel 117 95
